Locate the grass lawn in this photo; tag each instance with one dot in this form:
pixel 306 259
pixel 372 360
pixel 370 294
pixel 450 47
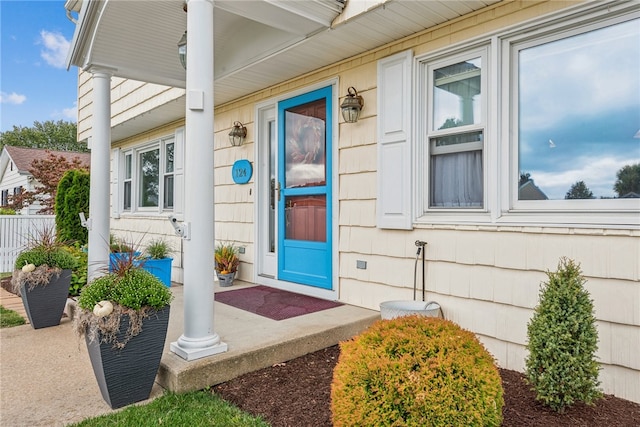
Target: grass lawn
pixel 198 408
pixel 9 318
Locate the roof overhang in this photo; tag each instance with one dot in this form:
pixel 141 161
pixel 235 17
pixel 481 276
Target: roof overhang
pixel 257 43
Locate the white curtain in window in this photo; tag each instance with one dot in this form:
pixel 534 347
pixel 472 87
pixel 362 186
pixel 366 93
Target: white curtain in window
pixel 456 179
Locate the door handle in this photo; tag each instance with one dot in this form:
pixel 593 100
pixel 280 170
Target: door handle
pixel 275 193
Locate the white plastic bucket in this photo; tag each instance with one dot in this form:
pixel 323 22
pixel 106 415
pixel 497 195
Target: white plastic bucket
pixel 393 309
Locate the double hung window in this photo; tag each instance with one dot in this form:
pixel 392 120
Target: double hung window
pixel 455 130
pixel 168 175
pixel 148 177
pixel 127 181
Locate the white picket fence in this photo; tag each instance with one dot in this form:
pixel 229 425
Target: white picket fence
pixel 15 231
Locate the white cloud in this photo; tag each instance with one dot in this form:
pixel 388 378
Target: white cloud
pixel 12 98
pixel 598 173
pixel 71 113
pixel 55 49
pixel 581 76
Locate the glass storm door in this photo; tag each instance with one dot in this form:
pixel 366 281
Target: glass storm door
pixel 304 180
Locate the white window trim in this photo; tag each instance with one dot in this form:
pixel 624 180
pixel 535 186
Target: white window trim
pixel 500 151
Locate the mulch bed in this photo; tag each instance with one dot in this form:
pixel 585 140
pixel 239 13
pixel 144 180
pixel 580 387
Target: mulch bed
pixel 298 394
pixel 5 283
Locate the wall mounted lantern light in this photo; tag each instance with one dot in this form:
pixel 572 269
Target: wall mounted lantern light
pixel 238 134
pixel 182 50
pixel 351 105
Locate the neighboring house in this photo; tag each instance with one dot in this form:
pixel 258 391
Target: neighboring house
pixel 529 191
pixel 15 175
pixel 459 98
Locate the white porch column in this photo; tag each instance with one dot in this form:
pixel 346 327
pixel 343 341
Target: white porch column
pixel 98 221
pixel 199 339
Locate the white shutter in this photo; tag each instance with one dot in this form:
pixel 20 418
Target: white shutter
pixel 115 182
pixel 178 173
pixel 393 208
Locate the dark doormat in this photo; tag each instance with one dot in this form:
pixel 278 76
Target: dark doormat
pixel 273 303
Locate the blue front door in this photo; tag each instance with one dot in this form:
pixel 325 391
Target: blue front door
pixel 304 175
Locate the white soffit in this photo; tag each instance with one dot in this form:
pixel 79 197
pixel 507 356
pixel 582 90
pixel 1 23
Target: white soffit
pixel 258 43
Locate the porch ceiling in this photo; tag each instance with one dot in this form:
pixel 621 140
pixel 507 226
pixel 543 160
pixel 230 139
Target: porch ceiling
pixel 258 43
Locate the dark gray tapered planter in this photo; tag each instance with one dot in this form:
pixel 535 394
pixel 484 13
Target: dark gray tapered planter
pixel 126 376
pixel 45 304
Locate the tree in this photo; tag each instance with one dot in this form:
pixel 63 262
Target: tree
pixel 628 180
pixel 579 190
pixel 48 173
pixel 59 136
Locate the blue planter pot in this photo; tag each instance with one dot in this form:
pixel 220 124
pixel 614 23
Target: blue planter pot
pixel 161 268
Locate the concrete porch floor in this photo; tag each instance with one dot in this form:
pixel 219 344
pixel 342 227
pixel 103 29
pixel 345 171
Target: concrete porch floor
pixel 255 342
pixel 46 377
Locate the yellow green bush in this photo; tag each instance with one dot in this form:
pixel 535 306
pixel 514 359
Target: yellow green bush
pixel 416 371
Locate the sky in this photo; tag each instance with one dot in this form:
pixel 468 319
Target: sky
pixel 35 85
pixel 580 110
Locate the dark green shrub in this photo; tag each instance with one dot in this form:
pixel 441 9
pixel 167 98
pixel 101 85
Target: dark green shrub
pixel 563 340
pixel 72 197
pixel 416 371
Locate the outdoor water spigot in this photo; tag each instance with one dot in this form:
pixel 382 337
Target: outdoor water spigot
pixel 421 243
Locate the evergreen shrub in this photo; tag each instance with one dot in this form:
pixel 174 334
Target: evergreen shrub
pixel 72 197
pixel 562 341
pixel 416 371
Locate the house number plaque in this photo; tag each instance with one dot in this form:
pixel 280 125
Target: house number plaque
pixel 241 171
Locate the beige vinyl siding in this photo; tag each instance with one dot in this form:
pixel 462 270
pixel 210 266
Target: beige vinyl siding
pixel 129 99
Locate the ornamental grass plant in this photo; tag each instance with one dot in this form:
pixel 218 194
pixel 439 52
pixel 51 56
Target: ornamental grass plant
pixel 158 249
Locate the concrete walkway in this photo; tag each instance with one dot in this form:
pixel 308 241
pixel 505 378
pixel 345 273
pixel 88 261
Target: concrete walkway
pixel 46 377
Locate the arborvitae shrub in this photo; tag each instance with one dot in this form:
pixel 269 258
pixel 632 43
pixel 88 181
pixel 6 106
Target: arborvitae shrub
pixel 416 371
pixel 72 197
pixel 563 340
